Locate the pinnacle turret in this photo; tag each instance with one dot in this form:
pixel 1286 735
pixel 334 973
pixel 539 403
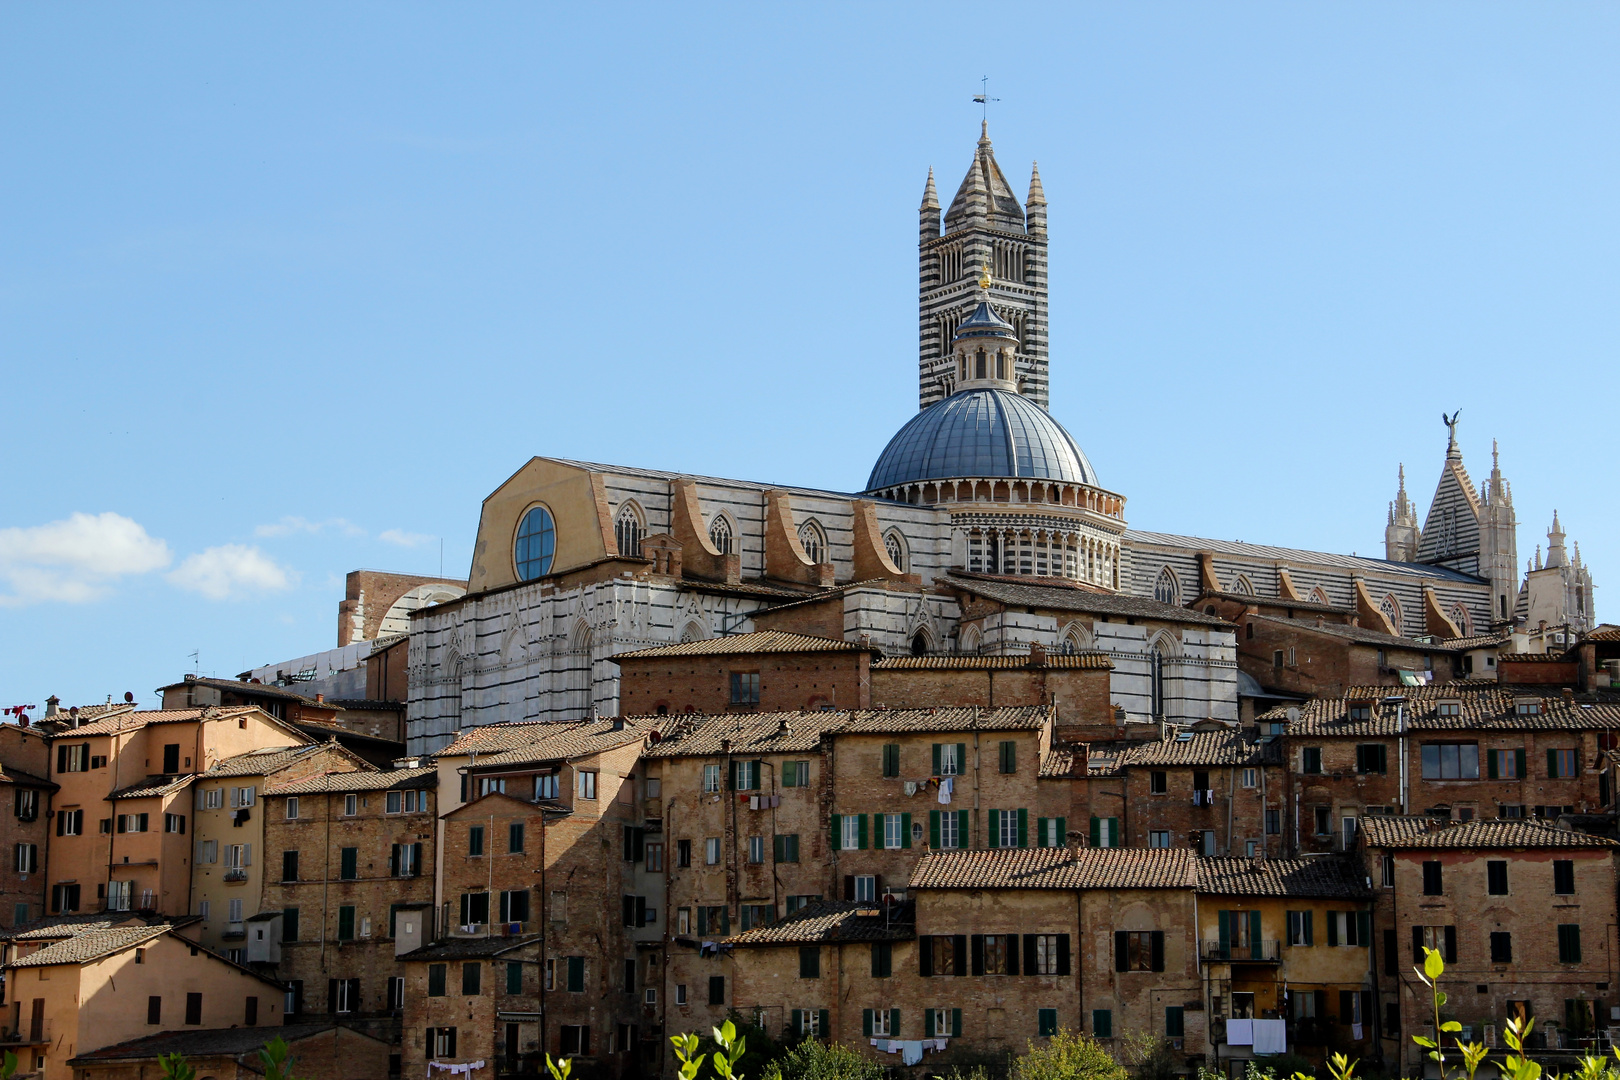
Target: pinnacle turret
pixel 930 195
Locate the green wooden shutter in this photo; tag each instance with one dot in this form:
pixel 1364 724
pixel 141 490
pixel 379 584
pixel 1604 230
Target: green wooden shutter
pixel 1062 832
pixel 798 1021
pixel 905 830
pixel 1364 928
pixel 759 772
pixel 1310 930
pixel 346 923
pixel 837 830
pixel 894 1022
pixel 777 847
pixel 962 823
pixel 1490 764
pixel 1518 761
pixel 514 977
pixel 823 1024
pixel 1023 828
pixel 961 758
pixel 731 784
pixel 1225 919
pixel 866 1022
pixel 956 1023
pixel 994 819
pixel 1174 1021
pixel 936 759
pixel 933 829
pixel 1157 947
pixel 1333 927
pixel 1096 832
pixel 1121 950
pixel 928 1023
pixel 1254 933
pixel 1552 764
pixel 1040 832
pixel 861 838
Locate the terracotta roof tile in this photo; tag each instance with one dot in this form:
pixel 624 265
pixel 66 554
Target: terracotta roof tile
pixel 243 1043
pixel 462 948
pixel 829 920
pixel 359 780
pixel 261 762
pixel 798 732
pixel 1388 831
pixel 1329 876
pixel 1606 632
pixel 1483 706
pixel 8 775
pixel 1087 661
pixel 154 786
pixel 561 738
pixel 121 722
pixel 1476 641
pixel 91 945
pixel 1064 761
pixel 1057 868
pixel 1054 595
pixel 237 686
pixel 56 927
pixel 766 641
pixel 1357 634
pixel 1010 718
pixel 1195 748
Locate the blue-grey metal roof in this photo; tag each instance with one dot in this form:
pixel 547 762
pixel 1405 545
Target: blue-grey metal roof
pixel 981 432
pixel 984 322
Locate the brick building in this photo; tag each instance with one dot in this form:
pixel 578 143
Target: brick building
pixel 472 999
pixel 230 862
pixel 1522 913
pixel 1217 792
pixel 25 820
pixel 345 853
pixel 1320 658
pixel 317 1052
pixel 771 671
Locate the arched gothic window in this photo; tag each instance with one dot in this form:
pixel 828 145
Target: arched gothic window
pixel 895 545
pixel 919 643
pixel 969 641
pixel 629 530
pixel 1319 597
pixel 814 542
pixel 1241 584
pixel 1459 615
pixel 1391 608
pixel 1167 590
pixel 720 534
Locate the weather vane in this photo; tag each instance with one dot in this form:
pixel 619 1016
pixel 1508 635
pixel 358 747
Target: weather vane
pixel 983 98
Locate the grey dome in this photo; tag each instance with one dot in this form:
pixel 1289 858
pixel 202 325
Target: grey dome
pixel 982 432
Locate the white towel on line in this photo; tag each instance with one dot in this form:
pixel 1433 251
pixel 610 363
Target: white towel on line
pixel 911 1052
pixel 1239 1032
pixel 1270 1037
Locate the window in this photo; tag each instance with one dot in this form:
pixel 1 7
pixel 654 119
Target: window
pixel 436 973
pixel 941 954
pixel 683 853
pixel 745 688
pixel 628 532
pixel 1431 879
pixel 1562 764
pixel 1501 947
pixel 1165 589
pixel 882 959
pixel 756 849
pixel 948 827
pixel 1348 827
pixel 794 774
pixel 1051 954
pixel 711 851
pixel 745 775
pixel 475 840
pixel 545 787
pixel 472 975
pixel 655 857
pixel 852 830
pixel 1505 764
pixel 234 910
pixel 70 823
pixel 1496 877
pixel 809 962
pixel 879 1022
pixel 351 805
pixel 1310 759
pixel 194 1009
pixel 27 804
pixel 154 1010
pixel 1321 818
pixel 1300 931
pixel 813 541
pixel 711 778
pixel 713 919
pixel 1158 838
pixel 993 951
pixel 395 993
pixel 345 930
pixel 348 863
pixel 292 808
pixel 1563 877
pixel 1569 943
pixel 576 975
pixel 536 544
pixel 948 758
pixel 1442 939
pixel 1007 756
pixel 680 993
pixel 720 535
pixel 474 908
pixel 442 1041
pixel 1372 758
pixel 132 823
pixel 27 858
pixel 174 823
pixel 1451 761
pixel 585 785
pixel 75 758
pixel 1273 822
pixel 1251 778
pixel 1158 782
pixel 1349 928
pixel 1102 1023
pixel 406 860
pixel 1138 950
pixel 1448 709
pixel 289 924
pixel 812 1022
pixel 1105 832
pixel 865 888
pixel 896 833
pixel 1527 708
pixel 717 989
pixel 786 847
pixel 212 799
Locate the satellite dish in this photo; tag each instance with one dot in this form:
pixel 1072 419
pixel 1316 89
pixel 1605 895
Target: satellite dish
pixel 129 697
pixel 1292 714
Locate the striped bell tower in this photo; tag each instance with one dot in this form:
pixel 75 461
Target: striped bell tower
pixel 984 228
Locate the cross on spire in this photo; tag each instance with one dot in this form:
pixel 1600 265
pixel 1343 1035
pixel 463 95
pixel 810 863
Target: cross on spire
pixel 983 99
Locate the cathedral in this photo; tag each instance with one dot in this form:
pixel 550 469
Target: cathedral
pixel 983 530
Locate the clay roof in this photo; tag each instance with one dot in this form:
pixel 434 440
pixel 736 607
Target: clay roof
pixel 1477 641
pixel 91 945
pixel 1531 658
pixel 240 1042
pixel 237 686
pixel 55 927
pixel 1086 661
pixel 1194 748
pixel 1064 760
pixel 1381 831
pixel 262 762
pixel 1278 601
pixel 544 739
pixel 1052 594
pixel 1606 632
pixel 1057 868
pixel 1377 568
pixel 828 920
pixel 119 723
pixel 153 786
pixel 359 780
pixel 464 948
pixel 766 641
pixel 583 740
pixel 8 775
pixel 798 732
pixel 1359 635
pixel 1328 876
pixel 1484 706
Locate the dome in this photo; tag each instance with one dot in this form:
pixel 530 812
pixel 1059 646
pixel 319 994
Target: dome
pixel 981 432
pixel 984 322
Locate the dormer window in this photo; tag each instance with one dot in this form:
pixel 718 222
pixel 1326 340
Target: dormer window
pixel 1527 707
pixel 1449 708
pixel 1359 710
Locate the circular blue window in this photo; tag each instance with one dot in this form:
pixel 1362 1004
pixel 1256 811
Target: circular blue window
pixel 536 544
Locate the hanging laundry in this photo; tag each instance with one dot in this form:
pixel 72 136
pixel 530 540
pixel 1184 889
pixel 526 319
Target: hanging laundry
pixel 753 802
pixel 945 787
pixel 1239 1032
pixel 911 1052
pixel 464 1067
pixel 911 787
pixel 1270 1037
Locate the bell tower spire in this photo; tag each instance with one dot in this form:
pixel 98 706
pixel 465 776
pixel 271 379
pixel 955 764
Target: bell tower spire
pixel 984 229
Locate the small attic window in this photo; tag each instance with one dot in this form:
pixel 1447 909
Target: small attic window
pixel 1448 707
pixel 1527 706
pixel 1359 709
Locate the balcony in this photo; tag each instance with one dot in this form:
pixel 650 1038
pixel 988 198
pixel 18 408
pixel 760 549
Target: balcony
pixel 235 877
pixel 1263 952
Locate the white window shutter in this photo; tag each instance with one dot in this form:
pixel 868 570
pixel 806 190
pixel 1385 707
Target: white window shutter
pixel 247 854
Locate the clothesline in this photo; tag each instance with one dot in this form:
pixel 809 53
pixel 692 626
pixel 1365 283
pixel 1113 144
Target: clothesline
pixel 910 1050
pixel 464 1067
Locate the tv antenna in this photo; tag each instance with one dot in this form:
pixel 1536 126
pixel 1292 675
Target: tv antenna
pixel 196 664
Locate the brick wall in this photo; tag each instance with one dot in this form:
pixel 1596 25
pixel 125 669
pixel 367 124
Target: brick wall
pixel 787 681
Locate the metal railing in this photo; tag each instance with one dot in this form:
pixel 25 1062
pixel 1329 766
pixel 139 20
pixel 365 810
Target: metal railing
pixel 1254 950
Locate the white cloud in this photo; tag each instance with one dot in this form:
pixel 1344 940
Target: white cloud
pixel 405 539
pixel 287 526
pixel 230 570
pixel 76 559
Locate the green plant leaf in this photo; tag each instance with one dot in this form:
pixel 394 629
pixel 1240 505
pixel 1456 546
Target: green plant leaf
pixel 1433 965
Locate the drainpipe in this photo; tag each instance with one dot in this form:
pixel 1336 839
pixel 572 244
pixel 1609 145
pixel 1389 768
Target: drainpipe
pixel 1400 728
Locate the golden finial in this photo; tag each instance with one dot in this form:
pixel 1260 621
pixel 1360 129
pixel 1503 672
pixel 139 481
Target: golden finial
pixel 984 276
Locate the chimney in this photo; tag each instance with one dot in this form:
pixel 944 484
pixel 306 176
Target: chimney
pixel 51 706
pixel 1569 697
pixel 320 699
pixel 1037 654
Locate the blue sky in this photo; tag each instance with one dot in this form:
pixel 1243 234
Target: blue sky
pixel 287 290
